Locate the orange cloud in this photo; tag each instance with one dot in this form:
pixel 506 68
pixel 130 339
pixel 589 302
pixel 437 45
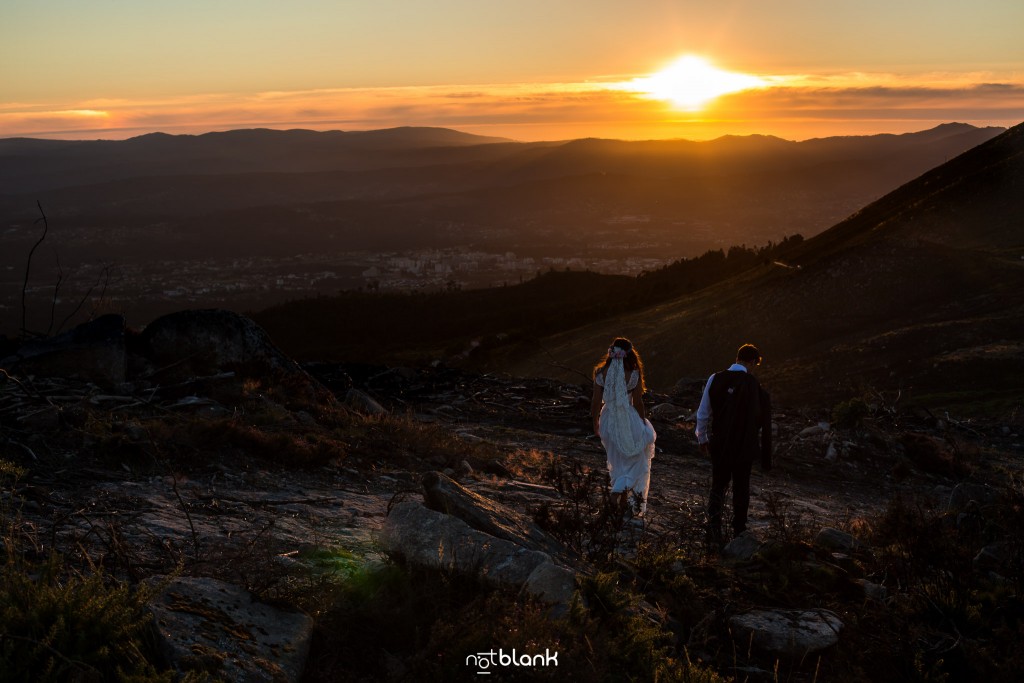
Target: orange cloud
pixel 796 107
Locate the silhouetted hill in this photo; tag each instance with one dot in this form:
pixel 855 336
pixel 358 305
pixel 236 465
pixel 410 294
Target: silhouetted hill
pixel 922 291
pixel 161 178
pixel 30 165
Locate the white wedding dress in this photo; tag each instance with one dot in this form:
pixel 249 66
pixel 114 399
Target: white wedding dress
pixel 628 439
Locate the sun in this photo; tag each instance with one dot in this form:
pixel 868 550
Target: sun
pixel 691 82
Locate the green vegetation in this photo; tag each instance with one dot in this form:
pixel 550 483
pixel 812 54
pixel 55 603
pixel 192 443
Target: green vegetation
pixel 389 622
pixel 58 623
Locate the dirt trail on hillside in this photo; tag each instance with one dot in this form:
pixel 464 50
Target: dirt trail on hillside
pixel 821 477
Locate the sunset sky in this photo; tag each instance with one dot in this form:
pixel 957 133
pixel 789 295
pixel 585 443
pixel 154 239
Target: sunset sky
pixel 522 69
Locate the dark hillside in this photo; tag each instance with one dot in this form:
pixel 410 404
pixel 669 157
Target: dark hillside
pixel 399 328
pixel 916 291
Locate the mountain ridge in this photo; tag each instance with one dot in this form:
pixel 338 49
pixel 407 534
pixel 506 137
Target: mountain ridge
pixel 862 287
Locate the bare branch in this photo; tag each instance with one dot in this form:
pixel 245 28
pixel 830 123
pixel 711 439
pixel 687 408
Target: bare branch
pixel 28 267
pixel 56 292
pixel 102 279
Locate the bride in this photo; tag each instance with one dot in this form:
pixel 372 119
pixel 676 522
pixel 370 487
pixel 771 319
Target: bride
pixel 621 421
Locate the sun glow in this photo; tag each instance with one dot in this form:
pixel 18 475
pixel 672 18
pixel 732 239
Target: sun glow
pixel 691 82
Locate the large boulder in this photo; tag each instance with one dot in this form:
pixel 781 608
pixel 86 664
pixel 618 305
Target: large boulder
pixel 207 625
pixel 195 343
pixel 787 633
pixel 428 538
pixel 443 494
pixel 222 348
pixel 93 351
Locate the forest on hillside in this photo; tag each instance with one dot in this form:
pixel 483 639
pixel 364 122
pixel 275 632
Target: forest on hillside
pixel 384 327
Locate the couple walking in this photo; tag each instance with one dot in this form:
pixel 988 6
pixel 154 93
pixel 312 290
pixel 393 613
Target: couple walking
pixel 733 428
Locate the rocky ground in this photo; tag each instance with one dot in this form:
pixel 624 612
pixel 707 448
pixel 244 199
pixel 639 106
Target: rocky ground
pixel 102 483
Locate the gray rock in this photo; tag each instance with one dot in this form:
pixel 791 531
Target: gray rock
pixel 208 625
pixel 443 494
pixel 873 591
pixel 831 453
pixel 194 343
pixel 787 633
pixel 815 430
pixel 667 411
pixel 835 540
pixel 742 547
pixel 362 403
pixel 552 583
pixel 432 539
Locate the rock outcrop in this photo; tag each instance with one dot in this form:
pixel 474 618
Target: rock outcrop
pixel 216 349
pixel 461 531
pixel 204 342
pixel 209 626
pixel 445 495
pixel 787 633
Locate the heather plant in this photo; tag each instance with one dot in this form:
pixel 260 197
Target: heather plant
pixel 585 520
pixel 389 621
pixel 850 414
pixel 960 616
pixel 58 623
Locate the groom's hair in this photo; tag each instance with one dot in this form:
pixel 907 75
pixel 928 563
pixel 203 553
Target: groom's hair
pixel 748 353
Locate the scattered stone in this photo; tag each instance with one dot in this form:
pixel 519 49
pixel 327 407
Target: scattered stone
pixel 363 403
pixel 207 625
pixel 831 453
pixel 835 540
pixel 815 430
pixel 742 547
pixel 873 591
pixel 667 411
pixel 787 633
pixel 552 583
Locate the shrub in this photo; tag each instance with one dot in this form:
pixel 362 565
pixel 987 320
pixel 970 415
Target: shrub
pixel 850 414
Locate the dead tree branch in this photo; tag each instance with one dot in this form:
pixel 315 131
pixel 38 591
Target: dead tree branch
pixel 56 294
pixel 102 279
pixel 28 267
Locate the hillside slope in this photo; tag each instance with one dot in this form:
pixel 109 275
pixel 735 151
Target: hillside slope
pixel 921 291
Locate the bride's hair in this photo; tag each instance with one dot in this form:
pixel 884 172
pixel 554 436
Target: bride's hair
pixel 630 362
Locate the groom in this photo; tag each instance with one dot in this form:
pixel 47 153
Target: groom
pixel 732 412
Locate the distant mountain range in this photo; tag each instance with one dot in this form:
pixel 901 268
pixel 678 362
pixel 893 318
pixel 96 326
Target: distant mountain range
pixel 234 193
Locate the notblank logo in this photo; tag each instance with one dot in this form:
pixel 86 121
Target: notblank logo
pixel 484 662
